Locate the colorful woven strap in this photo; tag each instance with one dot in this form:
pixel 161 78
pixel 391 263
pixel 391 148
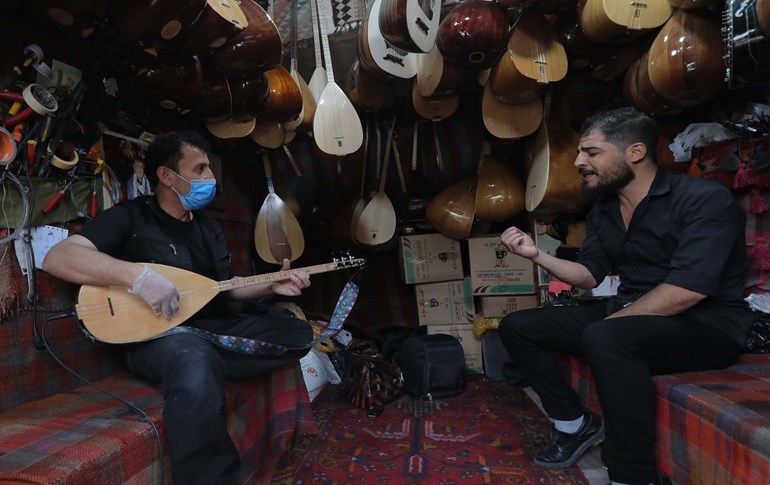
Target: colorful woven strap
pixel 249 346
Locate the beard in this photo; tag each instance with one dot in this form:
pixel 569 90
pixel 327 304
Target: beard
pixel 609 183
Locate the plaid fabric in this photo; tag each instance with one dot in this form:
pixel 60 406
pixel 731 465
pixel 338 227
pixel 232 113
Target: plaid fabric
pixel 712 426
pixel 84 436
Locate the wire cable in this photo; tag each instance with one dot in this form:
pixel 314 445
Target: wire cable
pixel 136 409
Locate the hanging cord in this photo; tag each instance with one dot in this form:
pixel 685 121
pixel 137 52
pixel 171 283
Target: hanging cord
pixel 136 409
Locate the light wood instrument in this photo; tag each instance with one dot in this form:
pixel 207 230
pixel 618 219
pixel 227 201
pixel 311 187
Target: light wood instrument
pixel 268 134
pixel 257 48
pixel 378 56
pixel 337 128
pixel 499 191
pixel 318 79
pixel 111 314
pixel 284 99
pixel 510 121
pixel 438 77
pixel 473 34
pixel 304 121
pixel 277 233
pixel 611 21
pixel 747 37
pixel 434 108
pixel 451 212
pixel 377 223
pixel 411 25
pixel 231 129
pixel 553 183
pixel 686 59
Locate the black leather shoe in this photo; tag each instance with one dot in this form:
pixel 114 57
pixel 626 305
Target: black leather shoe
pixel 565 449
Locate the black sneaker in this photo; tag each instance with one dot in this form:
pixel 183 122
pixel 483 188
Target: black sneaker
pixel 565 449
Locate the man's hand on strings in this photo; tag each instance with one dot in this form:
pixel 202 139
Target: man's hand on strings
pixel 294 284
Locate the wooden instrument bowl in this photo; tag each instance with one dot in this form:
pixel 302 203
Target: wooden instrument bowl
pixel 433 108
pixel 155 28
pixel 613 21
pixel 553 183
pixel 220 21
pixel 249 95
pixel 473 34
pixel 438 77
pixel 499 192
pixel 639 92
pixel 366 91
pixel 75 18
pixel 763 16
pixel 686 59
pixel 510 86
pixel 510 121
pixel 257 48
pixel 284 99
pixel 451 211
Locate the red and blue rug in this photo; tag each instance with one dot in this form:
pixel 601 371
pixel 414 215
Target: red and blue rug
pixel 486 435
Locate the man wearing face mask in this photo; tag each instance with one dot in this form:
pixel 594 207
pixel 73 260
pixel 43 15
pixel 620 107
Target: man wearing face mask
pixel 170 228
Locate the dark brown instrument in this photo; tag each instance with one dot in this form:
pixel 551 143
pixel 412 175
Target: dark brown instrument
pixel 366 91
pixel 747 36
pixel 473 34
pixel 257 48
pixel 639 92
pixel 284 99
pixel 76 18
pixel 438 77
pixel 686 59
pixel 155 28
pixel 693 3
pixel 378 56
pixel 220 21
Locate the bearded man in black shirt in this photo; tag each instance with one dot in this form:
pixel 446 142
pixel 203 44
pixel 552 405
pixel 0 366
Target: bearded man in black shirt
pixel 171 228
pixel 678 245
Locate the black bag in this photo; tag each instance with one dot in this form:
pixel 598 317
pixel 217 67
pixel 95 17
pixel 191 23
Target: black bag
pixel 371 380
pixel 432 365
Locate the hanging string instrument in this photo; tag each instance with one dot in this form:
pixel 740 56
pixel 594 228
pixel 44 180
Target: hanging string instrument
pixel 319 77
pixel 220 21
pixel 510 121
pixel 473 34
pixel 434 108
pixel 337 128
pixel 438 77
pixel 377 55
pixel 553 183
pixel 686 62
pixel 257 48
pixel 534 58
pixel 111 314
pixel 747 37
pixel 277 233
pixel 611 21
pixel 639 92
pixel 303 121
pixel 452 211
pixel 499 191
pixel 410 25
pixel 377 223
pixel 366 91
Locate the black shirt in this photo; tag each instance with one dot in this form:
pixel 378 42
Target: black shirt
pixel 687 232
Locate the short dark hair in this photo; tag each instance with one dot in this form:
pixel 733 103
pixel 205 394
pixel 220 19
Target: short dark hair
pixel 624 126
pixel 165 150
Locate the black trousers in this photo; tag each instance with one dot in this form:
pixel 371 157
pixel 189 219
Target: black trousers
pixel 192 372
pixel 623 354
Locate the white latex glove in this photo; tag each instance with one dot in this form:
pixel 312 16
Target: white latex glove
pixel 160 293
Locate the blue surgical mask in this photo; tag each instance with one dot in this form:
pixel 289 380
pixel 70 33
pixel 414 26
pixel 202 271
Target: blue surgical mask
pixel 201 193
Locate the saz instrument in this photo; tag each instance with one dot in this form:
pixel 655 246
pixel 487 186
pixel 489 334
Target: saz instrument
pixel 231 129
pixel 473 34
pixel 534 58
pixel 499 192
pixel 411 25
pixel 451 211
pixel 434 108
pixel 257 48
pixel 366 91
pixel 610 21
pixel 377 55
pixel 113 315
pixel 284 99
pixel 747 36
pixel 220 21
pixel 510 121
pixel 438 77
pixel 377 222
pixel 553 184
pixel 686 62
pixel 304 121
pixel 639 92
pixel 277 233
pixel 336 126
pixel 318 78
pixel 152 27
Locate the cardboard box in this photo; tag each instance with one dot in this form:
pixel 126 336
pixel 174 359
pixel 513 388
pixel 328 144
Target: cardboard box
pixel 495 271
pixel 500 306
pixel 447 302
pixel 429 257
pixel 471 347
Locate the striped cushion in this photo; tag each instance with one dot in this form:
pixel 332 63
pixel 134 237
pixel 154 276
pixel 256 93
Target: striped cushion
pixel 713 427
pixel 85 437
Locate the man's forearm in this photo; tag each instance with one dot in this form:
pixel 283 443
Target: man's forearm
pixel 569 272
pixel 663 300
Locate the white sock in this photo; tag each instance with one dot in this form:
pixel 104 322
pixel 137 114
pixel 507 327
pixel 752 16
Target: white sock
pixel 569 427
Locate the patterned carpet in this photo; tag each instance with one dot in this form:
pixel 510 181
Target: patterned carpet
pixel 486 435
